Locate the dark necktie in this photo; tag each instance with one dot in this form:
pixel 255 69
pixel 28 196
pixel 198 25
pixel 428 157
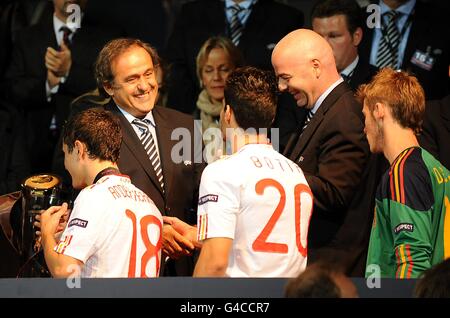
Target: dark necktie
pixel 345 77
pixel 150 148
pixel 236 26
pixel 309 116
pixel 66 35
pixel 387 55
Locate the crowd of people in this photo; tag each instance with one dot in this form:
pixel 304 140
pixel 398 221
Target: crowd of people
pixel 357 174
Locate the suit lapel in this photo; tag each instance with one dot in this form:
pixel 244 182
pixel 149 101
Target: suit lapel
pixel 415 35
pixel 215 15
pixel 132 142
pixel 317 119
pixel 254 24
pixel 165 145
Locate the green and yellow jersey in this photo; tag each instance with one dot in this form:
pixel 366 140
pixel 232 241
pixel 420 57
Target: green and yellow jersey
pixel 411 228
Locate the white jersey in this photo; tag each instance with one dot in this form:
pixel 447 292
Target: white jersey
pixel 261 200
pixel 115 230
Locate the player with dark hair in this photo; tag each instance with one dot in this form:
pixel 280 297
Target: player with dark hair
pixel 255 205
pixel 114 229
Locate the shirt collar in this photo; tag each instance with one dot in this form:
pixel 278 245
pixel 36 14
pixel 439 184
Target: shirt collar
pixel 405 9
pixel 325 94
pixel 246 4
pixel 57 24
pixel 351 67
pixel 130 117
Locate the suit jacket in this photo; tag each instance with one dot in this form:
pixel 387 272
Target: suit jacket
pixel 199 20
pixel 333 153
pixel 27 75
pixel 362 73
pixel 436 130
pixel 14 162
pixel 429 31
pixel 181 179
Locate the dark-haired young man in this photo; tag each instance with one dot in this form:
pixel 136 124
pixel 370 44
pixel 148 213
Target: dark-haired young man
pixel 255 205
pixel 115 229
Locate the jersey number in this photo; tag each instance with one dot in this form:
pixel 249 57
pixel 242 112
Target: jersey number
pixel 150 249
pixel 261 244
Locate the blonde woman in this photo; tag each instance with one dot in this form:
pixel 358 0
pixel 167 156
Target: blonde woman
pixel 217 58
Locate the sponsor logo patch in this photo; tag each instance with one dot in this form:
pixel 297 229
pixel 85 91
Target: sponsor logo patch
pixel 208 198
pixel 404 227
pixel 78 222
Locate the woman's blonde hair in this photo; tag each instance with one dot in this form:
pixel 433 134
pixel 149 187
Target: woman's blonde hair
pixel 218 42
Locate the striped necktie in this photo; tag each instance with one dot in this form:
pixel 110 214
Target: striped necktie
pixel 309 116
pixel 387 55
pixel 236 26
pixel 66 35
pixel 150 148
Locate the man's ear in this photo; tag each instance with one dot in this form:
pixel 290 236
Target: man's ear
pixel 379 111
pixel 228 112
pixel 316 67
pixel 80 149
pixel 357 36
pixel 107 86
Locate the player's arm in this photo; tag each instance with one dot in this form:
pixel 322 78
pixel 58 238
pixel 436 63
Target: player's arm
pixel 412 240
pixel 60 265
pixel 410 218
pixel 213 259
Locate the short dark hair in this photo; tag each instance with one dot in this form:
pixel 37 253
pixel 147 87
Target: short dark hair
pixel 349 8
pixel 98 129
pixel 434 282
pixel 252 95
pixel 316 281
pixel 111 51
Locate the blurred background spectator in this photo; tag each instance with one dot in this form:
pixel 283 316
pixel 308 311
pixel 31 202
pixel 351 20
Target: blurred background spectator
pixel 51 64
pixel 321 280
pixel 434 282
pixel 255 27
pixel 217 58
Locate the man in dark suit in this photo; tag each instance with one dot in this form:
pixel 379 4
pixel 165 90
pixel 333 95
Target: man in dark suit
pixel 264 23
pixel 52 64
pixel 423 48
pixel 340 22
pixel 331 147
pixel 167 170
pixel 436 130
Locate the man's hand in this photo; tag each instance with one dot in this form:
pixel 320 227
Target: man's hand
pixel 60 228
pixel 58 62
pixel 188 231
pixel 52 79
pixel 174 244
pixel 52 220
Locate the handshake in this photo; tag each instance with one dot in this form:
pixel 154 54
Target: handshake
pixel 178 238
